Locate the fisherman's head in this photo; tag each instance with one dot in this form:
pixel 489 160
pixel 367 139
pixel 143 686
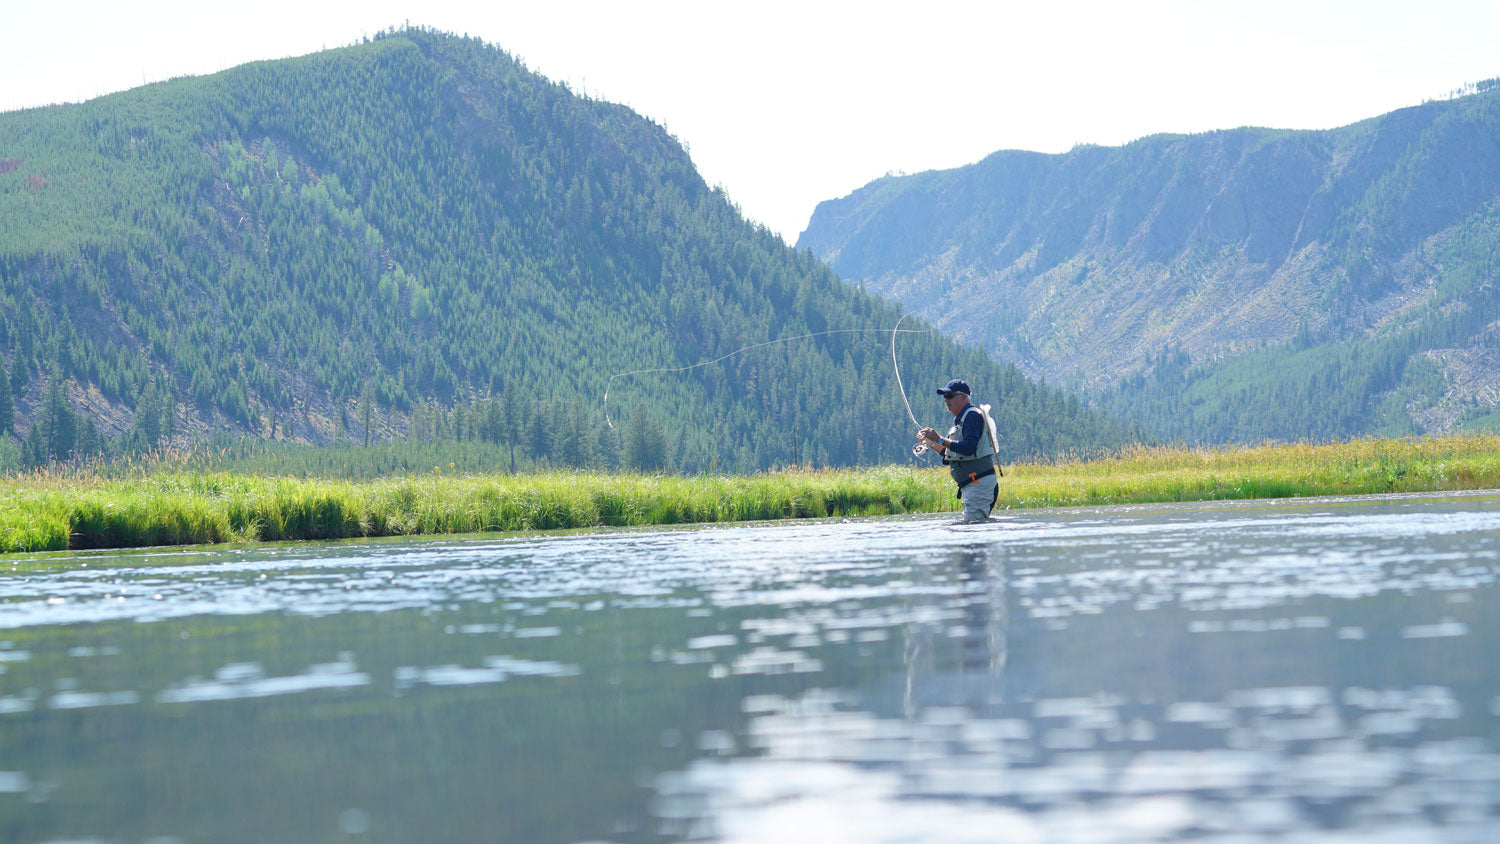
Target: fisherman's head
pixel 955 395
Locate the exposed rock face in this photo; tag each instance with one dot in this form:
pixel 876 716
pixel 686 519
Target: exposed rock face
pixel 1083 267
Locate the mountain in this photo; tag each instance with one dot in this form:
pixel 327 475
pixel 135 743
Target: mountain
pixel 346 244
pixel 1233 285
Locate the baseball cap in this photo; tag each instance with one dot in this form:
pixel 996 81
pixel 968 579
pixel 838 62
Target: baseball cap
pixel 955 386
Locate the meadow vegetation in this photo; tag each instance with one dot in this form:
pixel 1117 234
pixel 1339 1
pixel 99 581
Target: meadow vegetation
pixel 169 502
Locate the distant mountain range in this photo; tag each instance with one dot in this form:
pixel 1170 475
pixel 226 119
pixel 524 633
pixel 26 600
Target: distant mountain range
pixel 331 246
pixel 1233 285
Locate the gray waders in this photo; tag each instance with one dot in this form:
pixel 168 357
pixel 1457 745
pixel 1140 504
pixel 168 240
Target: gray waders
pixel 977 476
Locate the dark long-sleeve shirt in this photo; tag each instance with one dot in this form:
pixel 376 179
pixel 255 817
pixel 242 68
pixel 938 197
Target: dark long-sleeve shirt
pixel 973 429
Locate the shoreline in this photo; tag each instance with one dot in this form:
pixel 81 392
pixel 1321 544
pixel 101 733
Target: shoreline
pixel 38 561
pixel 164 509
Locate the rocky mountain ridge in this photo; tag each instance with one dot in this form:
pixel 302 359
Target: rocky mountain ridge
pixel 1084 268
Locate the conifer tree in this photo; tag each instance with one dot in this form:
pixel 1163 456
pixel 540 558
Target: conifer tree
pixel 580 445
pixel 90 442
pixel 168 410
pixel 147 421
pixel 510 416
pixel 7 405
pixel 60 431
pixel 34 447
pixel 19 375
pixel 645 442
pixel 367 409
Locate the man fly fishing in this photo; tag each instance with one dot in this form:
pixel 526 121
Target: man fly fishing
pixel 968 451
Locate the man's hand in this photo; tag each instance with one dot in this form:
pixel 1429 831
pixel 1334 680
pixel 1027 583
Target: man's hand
pixel 929 435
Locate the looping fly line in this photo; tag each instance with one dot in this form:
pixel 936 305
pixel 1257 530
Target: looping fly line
pixel 920 447
pixel 664 369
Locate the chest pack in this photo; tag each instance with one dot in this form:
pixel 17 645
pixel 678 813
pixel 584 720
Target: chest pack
pixel 985 457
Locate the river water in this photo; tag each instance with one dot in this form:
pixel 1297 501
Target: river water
pixel 1316 670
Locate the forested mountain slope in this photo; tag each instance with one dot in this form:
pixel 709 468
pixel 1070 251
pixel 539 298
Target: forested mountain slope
pixel 1233 285
pixel 342 244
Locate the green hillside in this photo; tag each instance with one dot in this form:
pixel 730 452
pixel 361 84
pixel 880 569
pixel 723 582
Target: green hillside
pixel 348 245
pixel 1227 286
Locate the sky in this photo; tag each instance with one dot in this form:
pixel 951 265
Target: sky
pixel 786 104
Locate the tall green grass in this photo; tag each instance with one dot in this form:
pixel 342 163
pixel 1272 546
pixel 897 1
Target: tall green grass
pixel 1467 461
pixel 167 505
pixel 48 513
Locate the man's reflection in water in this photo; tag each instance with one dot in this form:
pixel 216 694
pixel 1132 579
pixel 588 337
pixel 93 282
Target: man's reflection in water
pixel 975 673
pixel 982 572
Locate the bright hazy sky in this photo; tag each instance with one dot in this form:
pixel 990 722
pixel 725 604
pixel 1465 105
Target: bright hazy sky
pixel 785 104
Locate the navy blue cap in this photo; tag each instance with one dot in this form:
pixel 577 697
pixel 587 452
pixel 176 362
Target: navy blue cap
pixel 955 386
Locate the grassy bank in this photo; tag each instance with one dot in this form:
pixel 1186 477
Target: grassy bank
pixel 169 507
pixel 41 513
pixel 1368 466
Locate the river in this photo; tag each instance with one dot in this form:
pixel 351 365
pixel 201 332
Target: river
pixel 1310 670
